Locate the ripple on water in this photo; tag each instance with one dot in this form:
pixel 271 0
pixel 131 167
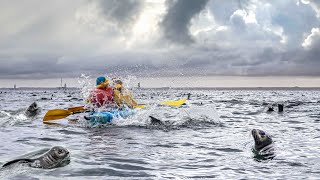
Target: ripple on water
pixel 108 172
pixel 213 154
pixel 49 139
pixel 187 144
pixel 229 150
pixel 125 166
pixel 293 164
pixel 71 132
pixel 133 161
pixel 293 122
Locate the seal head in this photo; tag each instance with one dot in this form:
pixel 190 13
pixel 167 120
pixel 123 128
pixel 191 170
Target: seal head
pixel 263 145
pixel 56 157
pixel 32 110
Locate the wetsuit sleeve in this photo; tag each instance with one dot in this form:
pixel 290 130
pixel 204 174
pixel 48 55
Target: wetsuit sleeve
pixel 117 97
pixel 128 100
pixel 124 99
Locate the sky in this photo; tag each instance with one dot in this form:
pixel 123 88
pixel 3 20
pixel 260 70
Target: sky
pixel 159 38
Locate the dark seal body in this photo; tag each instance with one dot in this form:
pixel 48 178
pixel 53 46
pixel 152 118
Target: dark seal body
pixel 55 157
pixel 263 145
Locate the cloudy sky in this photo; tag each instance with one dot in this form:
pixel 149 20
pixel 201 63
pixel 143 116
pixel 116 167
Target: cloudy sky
pixel 52 39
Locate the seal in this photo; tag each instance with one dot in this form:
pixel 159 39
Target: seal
pixel 263 145
pixel 270 109
pixel 159 124
pixel 155 121
pixel 32 110
pixel 57 156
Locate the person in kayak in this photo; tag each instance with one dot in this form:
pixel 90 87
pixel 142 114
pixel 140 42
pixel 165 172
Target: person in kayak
pixel 107 96
pixel 121 96
pixel 102 95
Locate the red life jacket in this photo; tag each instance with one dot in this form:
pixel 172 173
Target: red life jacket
pixel 102 97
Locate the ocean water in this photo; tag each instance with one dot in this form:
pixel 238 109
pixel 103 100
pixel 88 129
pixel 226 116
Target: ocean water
pixel 208 137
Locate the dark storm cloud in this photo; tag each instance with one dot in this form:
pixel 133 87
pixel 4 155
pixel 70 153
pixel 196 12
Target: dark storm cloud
pixel 122 12
pixel 293 62
pixel 39 66
pixel 256 37
pixel 176 22
pixel 33 66
pixel 312 55
pixel 206 60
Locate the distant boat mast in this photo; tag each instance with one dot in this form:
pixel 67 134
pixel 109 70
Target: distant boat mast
pixel 61 86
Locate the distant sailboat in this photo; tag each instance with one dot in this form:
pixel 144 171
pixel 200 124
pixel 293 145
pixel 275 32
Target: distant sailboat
pixel 61 86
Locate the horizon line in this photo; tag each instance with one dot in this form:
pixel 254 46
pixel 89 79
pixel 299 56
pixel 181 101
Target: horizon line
pixel 182 88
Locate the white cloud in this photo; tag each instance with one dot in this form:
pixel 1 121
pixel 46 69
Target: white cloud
pixel 312 38
pixel 315 4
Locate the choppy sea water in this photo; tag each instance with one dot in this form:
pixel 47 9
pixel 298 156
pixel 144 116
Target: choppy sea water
pixel 209 137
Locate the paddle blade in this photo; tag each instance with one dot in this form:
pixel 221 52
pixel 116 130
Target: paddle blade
pixel 52 123
pixel 174 103
pixel 140 106
pixel 56 114
pixel 77 109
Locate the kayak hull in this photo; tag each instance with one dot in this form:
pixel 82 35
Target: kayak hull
pixel 108 116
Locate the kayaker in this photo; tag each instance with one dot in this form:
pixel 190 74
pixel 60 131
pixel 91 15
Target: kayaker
pixel 121 96
pixel 102 95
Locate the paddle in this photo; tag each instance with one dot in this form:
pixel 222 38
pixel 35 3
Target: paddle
pixel 62 113
pixel 58 114
pixel 77 109
pixel 174 103
pixel 139 106
pixel 55 114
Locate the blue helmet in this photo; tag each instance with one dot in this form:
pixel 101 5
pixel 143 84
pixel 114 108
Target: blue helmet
pixel 100 80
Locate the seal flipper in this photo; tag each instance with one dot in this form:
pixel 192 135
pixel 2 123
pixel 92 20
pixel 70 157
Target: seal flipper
pixel 155 121
pixel 17 161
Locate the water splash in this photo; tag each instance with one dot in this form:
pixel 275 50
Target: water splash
pixel 7 119
pixel 13 171
pixel 172 118
pixel 85 85
pixel 207 112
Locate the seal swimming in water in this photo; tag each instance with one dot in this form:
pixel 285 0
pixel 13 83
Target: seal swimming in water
pixel 32 110
pixel 270 109
pixel 159 124
pixel 263 145
pixel 155 121
pixel 57 156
